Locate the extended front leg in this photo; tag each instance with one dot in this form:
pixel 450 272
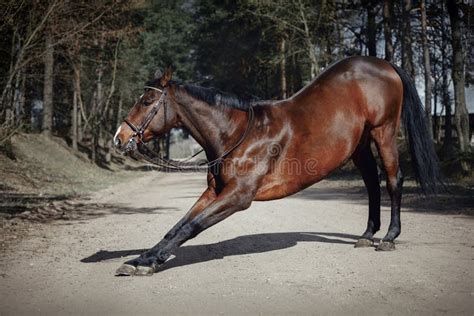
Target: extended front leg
pixel 232 199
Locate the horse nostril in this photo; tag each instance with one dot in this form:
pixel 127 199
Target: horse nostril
pixel 117 142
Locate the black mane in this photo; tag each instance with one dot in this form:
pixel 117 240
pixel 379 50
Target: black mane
pixel 214 97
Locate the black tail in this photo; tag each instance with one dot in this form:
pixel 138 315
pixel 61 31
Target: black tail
pixel 423 155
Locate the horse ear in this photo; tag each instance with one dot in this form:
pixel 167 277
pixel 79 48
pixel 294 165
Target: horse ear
pixel 166 77
pixel 158 74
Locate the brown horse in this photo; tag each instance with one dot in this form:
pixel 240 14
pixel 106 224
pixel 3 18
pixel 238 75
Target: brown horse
pixel 268 150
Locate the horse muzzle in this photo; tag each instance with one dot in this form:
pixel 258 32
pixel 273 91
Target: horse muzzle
pixel 130 146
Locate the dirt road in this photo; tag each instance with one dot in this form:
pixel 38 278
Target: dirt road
pixel 294 255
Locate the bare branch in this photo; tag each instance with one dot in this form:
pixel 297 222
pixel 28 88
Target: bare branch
pixel 114 73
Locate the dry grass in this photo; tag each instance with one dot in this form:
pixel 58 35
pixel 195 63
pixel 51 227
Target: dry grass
pixel 38 178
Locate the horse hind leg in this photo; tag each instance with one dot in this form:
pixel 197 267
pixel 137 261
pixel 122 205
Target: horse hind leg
pixel 364 160
pixel 385 138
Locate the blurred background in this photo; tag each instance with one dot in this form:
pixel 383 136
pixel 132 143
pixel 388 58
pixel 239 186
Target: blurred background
pixel 71 70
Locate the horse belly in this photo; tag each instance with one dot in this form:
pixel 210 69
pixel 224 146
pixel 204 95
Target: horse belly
pixel 276 187
pixel 294 175
pixel 309 162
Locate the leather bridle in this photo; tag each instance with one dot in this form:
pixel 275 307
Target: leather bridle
pixel 154 158
pixel 139 130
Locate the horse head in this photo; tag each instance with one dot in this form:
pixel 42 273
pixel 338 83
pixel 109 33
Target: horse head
pixel 152 115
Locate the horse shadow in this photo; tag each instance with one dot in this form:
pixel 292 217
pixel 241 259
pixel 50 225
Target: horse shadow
pixel 242 245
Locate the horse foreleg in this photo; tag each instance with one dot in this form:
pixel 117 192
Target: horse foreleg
pixel 229 201
pixel 206 198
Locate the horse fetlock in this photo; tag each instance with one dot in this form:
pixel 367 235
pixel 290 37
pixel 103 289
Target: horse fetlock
pixel 372 228
pixel 376 227
pixel 393 232
pixel 144 261
pixel 162 258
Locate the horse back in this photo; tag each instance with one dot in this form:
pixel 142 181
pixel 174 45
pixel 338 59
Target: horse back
pixel 321 125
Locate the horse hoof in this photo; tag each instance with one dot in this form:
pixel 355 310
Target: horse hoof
pixel 144 271
pixel 386 246
pixel 126 270
pixel 130 270
pixel 363 242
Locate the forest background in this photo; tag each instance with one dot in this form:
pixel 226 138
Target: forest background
pixel 72 69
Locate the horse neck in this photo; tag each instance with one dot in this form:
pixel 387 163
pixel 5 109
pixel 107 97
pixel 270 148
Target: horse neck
pixel 215 128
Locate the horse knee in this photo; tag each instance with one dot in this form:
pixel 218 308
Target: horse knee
pixel 244 203
pixel 242 200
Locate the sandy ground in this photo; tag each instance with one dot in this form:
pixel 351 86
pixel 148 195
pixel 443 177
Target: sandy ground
pixel 294 255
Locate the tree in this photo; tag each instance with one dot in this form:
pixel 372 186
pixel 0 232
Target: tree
pixel 302 18
pixel 371 7
pixel 283 85
pixel 407 52
pixel 461 116
pixel 387 28
pixel 426 66
pixel 24 23
pixel 101 53
pixel 47 125
pixel 446 99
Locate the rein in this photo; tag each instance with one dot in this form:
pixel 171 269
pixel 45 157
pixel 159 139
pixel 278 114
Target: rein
pixel 154 158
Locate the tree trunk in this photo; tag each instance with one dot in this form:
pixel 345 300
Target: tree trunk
pixel 79 127
pixel 427 67
pixel 118 117
pixel 167 145
pixel 80 104
pixel 76 116
pixel 96 113
pixel 387 29
pixel 461 116
pixel 407 54
pixel 448 134
pixel 339 36
pixel 435 106
pixel 435 116
pixel 313 59
pixel 371 28
pixel 283 88
pixel 22 115
pixel 47 125
pixel 93 128
pixel 5 106
pixel 296 81
pixel 108 153
pixel 74 120
pixel 310 47
pixel 448 129
pixel 19 98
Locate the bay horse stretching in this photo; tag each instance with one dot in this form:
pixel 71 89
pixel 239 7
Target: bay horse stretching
pixel 268 150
